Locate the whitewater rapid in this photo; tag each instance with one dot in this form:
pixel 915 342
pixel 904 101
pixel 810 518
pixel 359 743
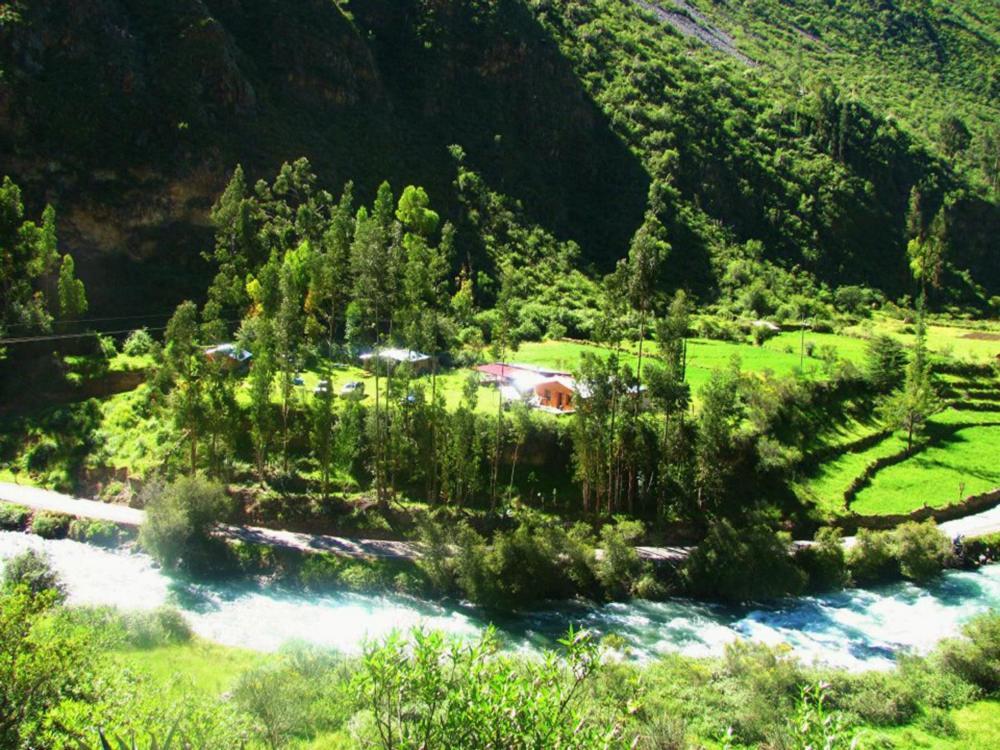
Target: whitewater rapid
pixel 855 629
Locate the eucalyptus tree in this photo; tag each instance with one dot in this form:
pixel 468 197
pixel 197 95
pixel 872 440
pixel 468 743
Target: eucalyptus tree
pixel 184 363
pixel 375 266
pixel 36 283
pixel 425 293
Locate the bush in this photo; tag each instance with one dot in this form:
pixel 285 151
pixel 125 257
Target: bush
pixel 880 698
pixel 163 626
pixel 871 559
pixel 824 562
pixel 762 334
pixel 101 533
pixel 179 521
pixel 743 565
pixel 33 570
pixel 50 525
pixel 619 568
pixel 975 658
pixel 939 723
pixel 923 550
pixel 138 343
pixel 14 517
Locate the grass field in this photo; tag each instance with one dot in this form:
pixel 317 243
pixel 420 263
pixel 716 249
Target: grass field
pixel 966 464
pixel 201 666
pixel 962 343
pixel 827 486
pixel 978 727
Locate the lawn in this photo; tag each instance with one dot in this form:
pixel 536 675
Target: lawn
pixel 962 465
pixel 960 343
pixel 978 727
pixel 202 666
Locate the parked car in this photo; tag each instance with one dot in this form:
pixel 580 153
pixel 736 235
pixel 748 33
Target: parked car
pixel 297 380
pixel 322 387
pixel 354 389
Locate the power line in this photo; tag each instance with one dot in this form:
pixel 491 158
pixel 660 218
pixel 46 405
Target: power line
pixel 66 336
pixel 95 320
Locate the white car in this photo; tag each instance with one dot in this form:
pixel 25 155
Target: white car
pixel 354 389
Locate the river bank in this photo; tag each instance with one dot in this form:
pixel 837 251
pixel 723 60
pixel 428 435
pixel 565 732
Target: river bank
pixel 854 629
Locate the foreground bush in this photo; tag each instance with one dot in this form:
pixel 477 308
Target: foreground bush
pixel 976 657
pixel 471 696
pixel 33 571
pixel 179 521
pixel 162 626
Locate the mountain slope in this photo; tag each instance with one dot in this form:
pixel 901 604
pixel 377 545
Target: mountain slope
pixel 130 116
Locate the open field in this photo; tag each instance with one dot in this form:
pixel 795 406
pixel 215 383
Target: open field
pixel 959 458
pixel 966 463
pixel 199 666
pixel 973 345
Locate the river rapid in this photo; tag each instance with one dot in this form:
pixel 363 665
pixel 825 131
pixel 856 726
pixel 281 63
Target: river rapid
pixel 855 629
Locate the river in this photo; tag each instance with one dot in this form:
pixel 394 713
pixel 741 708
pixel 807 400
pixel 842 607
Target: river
pixel 855 629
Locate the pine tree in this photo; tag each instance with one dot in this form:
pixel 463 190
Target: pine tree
pixel 72 296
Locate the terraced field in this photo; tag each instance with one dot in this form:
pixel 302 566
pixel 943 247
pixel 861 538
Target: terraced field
pixel 959 458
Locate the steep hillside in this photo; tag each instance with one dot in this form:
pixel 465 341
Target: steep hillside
pixel 129 116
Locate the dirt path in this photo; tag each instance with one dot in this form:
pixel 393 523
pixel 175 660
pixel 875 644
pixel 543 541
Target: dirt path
pixel 987 522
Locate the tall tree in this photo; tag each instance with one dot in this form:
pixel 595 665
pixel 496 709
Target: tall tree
pixel 909 408
pixel 648 250
pixel 184 362
pixel 72 295
pixel 29 264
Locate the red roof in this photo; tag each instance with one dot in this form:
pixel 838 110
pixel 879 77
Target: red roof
pixel 498 370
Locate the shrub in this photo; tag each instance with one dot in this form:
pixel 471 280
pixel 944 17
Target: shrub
pixel 762 334
pixel 163 626
pixel 101 533
pixel 50 525
pixel 871 558
pixel 619 568
pixel 138 343
pixel 880 698
pixel 33 570
pixel 743 564
pixel 975 658
pixel 14 517
pixel 934 685
pixel 824 562
pixel 106 346
pixel 939 723
pixel 41 455
pixel 923 550
pixel 179 521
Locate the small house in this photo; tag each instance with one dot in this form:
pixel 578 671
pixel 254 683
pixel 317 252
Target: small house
pixel 230 355
pixel 391 358
pixel 555 394
pixel 551 390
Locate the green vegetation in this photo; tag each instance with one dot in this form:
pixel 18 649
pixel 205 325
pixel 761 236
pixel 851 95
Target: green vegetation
pixel 179 520
pixel 456 694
